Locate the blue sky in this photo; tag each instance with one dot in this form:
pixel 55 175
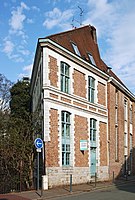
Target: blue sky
pixel 23 22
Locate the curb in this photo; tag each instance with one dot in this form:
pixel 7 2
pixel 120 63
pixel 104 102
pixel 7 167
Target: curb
pixel 98 188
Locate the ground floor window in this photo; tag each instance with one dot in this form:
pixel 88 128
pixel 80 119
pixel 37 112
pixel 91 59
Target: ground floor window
pixel 65 127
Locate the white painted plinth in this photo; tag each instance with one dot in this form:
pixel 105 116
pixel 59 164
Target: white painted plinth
pixel 45 182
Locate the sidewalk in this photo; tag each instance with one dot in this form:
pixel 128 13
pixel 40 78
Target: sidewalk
pixel 65 190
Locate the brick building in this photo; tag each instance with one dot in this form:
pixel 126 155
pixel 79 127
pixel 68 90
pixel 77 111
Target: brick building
pixel 87 113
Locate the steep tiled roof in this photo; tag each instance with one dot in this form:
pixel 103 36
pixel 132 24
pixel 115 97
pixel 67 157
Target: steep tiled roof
pixel 85 39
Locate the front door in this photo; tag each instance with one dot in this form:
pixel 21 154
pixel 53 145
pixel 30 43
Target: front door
pixel 93 161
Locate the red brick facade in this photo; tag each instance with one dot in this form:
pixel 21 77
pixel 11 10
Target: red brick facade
pixel 103 143
pixel 115 165
pixel 81 133
pixel 79 83
pixel 52 148
pixel 53 76
pixel 101 94
pixel 118 165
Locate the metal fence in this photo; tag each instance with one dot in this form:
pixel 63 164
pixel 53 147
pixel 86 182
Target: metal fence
pixel 14 184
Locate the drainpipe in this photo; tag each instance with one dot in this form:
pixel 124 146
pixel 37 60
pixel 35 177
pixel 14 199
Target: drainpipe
pixel 108 137
pixel 44 175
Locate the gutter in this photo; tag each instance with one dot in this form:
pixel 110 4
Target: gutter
pixel 122 88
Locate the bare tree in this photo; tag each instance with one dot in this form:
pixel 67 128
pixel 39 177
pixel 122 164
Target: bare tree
pixel 5 86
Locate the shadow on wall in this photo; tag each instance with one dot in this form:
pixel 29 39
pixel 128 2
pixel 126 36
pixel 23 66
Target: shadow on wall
pixel 126 178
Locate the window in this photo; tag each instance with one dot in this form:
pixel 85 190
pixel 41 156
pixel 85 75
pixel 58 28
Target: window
pixel 131 154
pixel 125 139
pixel 131 114
pixel 131 142
pixel 93 131
pixel 116 144
pixel 65 77
pixel 116 115
pixel 91 89
pixel 116 97
pixel 92 61
pixel 116 107
pixel 65 123
pixel 125 110
pixel 76 50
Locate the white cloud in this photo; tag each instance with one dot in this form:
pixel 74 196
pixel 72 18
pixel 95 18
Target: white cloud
pixel 24 52
pixel 30 21
pixel 14 45
pixel 8 47
pixel 53 2
pixel 28 68
pixel 36 8
pixel 27 71
pixel 57 18
pixel 116 33
pixel 17 18
pixel 14 53
pixel 101 14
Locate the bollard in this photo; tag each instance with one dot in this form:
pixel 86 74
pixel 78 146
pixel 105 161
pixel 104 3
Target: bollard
pixel 95 179
pixel 42 192
pixel 113 176
pixel 126 175
pixel 70 182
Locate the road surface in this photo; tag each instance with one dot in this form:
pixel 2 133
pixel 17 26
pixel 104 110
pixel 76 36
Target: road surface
pixel 125 192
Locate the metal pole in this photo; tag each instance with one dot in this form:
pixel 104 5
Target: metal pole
pixel 70 182
pixel 42 188
pixel 20 175
pixel 113 176
pixel 44 164
pixel 95 179
pixel 37 170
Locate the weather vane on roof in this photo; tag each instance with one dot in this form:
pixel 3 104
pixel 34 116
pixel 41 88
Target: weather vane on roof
pixel 81 14
pixel 78 21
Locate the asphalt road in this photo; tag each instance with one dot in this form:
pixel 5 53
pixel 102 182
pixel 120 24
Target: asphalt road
pixel 125 192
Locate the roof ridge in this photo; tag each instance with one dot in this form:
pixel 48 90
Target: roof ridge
pixel 68 31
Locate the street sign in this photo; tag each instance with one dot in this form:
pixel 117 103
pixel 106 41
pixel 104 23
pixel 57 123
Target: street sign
pixel 38 143
pixel 38 150
pixel 83 145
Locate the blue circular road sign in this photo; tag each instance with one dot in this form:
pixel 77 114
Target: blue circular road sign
pixel 38 143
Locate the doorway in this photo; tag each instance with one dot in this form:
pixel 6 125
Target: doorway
pixel 93 161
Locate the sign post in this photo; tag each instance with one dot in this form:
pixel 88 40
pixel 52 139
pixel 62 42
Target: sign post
pixel 39 145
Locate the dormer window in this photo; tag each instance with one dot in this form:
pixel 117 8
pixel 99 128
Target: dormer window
pixel 76 50
pixel 92 61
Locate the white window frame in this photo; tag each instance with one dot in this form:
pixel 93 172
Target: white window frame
pixel 125 109
pixel 91 89
pixel 66 147
pixel 76 50
pixel 92 61
pixel 65 77
pixel 93 132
